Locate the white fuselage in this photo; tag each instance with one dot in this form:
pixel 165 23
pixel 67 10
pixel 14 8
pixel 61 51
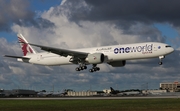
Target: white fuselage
pixel 112 53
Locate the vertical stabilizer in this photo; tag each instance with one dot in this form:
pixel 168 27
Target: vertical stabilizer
pixel 111 89
pixel 26 48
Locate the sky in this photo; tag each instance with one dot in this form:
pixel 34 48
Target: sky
pixel 88 23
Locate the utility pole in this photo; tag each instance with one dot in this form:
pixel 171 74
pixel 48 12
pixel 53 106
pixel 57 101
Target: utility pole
pixel 53 87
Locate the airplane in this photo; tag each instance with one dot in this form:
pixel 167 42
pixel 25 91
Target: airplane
pixel 61 93
pixel 114 91
pixel 43 93
pixel 132 93
pixel 114 55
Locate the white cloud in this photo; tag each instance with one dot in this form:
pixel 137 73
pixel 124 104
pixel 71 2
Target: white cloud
pixel 17 70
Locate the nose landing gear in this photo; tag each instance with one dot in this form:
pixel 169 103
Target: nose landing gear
pixel 160 59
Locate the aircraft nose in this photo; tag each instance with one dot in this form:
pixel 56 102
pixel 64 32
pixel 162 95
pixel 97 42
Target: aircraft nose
pixel 170 50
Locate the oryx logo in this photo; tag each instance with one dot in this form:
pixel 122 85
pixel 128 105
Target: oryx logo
pixel 144 49
pixel 25 47
pixel 94 57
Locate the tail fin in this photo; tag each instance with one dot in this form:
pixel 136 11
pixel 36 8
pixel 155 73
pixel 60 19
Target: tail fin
pixel 111 89
pixel 26 48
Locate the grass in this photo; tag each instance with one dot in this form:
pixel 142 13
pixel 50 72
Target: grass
pixel 91 105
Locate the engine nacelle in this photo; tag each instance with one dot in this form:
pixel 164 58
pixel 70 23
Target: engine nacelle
pixel 117 63
pixel 95 58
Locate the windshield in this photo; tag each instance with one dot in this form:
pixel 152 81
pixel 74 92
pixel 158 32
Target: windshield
pixel 168 46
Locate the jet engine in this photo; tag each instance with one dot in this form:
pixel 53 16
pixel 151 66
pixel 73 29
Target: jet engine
pixel 95 58
pixel 117 63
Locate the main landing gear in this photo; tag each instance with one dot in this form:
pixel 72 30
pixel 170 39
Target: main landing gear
pixel 83 67
pixel 160 59
pixel 94 68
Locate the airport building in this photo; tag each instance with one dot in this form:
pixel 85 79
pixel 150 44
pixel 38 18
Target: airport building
pixel 107 91
pixel 17 93
pixel 154 92
pixel 170 87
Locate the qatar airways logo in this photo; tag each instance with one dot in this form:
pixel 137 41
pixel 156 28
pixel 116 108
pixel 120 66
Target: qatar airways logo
pixel 144 49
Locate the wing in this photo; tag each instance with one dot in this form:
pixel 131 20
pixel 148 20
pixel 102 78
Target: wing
pixel 62 52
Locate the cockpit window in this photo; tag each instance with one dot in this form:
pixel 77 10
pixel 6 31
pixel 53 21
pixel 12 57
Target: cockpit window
pixel 168 46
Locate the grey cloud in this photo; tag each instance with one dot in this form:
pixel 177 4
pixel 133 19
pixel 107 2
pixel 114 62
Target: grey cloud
pixel 128 11
pixel 145 33
pixel 134 17
pixel 18 12
pixel 172 60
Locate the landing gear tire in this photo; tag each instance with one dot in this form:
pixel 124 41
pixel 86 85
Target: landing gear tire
pixel 97 68
pixel 94 68
pixel 91 70
pixel 84 67
pixel 160 63
pixel 77 69
pixel 81 67
pixel 160 59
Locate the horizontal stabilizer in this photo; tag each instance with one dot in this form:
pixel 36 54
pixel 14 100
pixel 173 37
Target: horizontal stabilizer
pixel 16 57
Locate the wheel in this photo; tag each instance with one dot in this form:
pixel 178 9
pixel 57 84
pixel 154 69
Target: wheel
pixel 91 70
pixel 97 68
pixel 94 69
pixel 77 69
pixel 84 67
pixel 81 68
pixel 160 63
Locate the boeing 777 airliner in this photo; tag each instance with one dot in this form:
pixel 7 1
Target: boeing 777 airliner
pixel 115 55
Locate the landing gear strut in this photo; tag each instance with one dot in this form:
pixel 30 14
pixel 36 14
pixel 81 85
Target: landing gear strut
pixel 160 59
pixel 94 68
